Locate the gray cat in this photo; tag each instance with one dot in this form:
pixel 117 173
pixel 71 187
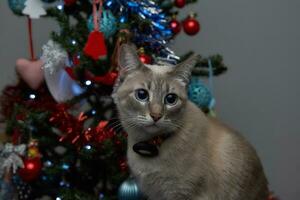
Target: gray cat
pixel 194 157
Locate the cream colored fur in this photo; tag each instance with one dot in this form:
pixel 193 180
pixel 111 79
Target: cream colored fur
pixel 202 160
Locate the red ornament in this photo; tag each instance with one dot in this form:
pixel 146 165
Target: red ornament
pixel 175 26
pixel 95 46
pixel 179 3
pixel 191 26
pixel 31 170
pixel 144 58
pixel 69 2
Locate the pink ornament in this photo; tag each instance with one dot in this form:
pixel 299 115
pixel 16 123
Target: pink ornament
pixel 31 72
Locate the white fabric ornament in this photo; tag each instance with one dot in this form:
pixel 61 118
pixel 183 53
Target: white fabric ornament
pixel 10 157
pixel 54 56
pixel 59 83
pixel 34 9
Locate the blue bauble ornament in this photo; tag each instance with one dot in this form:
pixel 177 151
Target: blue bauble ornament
pixel 129 190
pixel 108 23
pixel 17 6
pixel 199 94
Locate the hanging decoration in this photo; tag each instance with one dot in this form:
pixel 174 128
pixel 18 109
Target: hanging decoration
pixel 175 25
pixel 129 190
pixel 31 170
pixel 60 85
pixel 107 24
pixel 17 6
pixel 34 9
pixel 32 163
pixel 190 25
pixel 95 46
pixel 179 3
pixel 10 158
pixel 31 72
pixel 144 58
pixel 53 56
pixel 199 94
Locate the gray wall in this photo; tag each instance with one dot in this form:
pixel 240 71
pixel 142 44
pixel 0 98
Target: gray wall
pixel 260 41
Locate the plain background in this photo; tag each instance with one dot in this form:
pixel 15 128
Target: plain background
pixel 259 95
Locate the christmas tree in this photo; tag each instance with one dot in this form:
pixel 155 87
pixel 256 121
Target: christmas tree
pixel 64 139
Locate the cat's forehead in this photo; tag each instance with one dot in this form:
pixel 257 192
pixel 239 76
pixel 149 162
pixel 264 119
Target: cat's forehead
pixel 160 69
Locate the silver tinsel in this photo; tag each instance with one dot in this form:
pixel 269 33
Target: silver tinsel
pixel 54 56
pixel 10 157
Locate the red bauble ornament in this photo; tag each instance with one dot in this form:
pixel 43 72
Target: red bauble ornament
pixel 69 2
pixel 95 46
pixel 144 58
pixel 179 3
pixel 31 170
pixel 175 26
pixel 191 26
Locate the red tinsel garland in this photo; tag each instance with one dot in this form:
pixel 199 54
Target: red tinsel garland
pixel 73 128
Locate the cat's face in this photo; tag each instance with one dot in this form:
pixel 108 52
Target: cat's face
pixel 151 98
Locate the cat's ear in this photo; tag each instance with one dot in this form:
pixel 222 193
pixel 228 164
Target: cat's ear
pixel 128 59
pixel 183 70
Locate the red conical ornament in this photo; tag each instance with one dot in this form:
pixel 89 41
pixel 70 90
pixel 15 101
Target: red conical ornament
pixel 95 46
pixel 179 3
pixel 175 25
pixel 190 25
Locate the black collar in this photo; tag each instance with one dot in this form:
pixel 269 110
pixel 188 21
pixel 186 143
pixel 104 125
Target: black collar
pixel 150 148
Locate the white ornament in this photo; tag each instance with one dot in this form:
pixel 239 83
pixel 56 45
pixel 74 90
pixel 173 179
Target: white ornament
pixel 34 8
pixel 59 83
pixel 54 56
pixel 10 157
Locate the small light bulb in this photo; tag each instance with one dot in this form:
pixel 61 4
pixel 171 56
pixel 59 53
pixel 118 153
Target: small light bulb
pixel 32 96
pixel 94 112
pixel 88 147
pixel 60 7
pixel 58 198
pixel 108 3
pixel 88 82
pixel 65 166
pixel 74 42
pixel 48 163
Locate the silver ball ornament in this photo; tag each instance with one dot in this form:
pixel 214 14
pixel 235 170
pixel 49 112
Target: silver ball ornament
pixel 129 191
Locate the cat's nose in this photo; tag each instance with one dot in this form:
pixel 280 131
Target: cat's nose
pixel 155 116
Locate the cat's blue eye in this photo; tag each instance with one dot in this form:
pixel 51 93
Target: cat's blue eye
pixel 141 95
pixel 171 99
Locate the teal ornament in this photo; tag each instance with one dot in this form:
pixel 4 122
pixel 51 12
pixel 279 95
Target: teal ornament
pixel 199 94
pixel 129 190
pixel 17 6
pixel 108 23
